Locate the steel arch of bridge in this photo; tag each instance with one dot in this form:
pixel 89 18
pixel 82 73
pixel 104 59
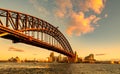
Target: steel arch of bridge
pixel 28 29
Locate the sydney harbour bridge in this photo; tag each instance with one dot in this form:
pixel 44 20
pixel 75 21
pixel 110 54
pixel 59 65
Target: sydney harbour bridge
pixel 24 28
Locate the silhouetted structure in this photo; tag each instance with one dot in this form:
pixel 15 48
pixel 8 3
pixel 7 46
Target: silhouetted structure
pixel 59 59
pixel 89 58
pixel 16 59
pixel 51 58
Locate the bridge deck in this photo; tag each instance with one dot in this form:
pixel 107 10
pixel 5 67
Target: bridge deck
pixel 18 37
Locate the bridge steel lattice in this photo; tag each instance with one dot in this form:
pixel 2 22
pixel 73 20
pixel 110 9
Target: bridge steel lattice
pixel 24 28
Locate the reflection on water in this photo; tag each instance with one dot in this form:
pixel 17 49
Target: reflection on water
pixel 58 68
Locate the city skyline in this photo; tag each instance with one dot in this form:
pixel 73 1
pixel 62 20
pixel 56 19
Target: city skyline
pixel 91 26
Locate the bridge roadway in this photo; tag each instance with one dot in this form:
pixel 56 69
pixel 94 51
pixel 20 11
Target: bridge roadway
pixel 24 28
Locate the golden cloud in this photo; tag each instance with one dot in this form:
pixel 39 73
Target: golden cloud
pixel 63 5
pixel 95 5
pixel 79 23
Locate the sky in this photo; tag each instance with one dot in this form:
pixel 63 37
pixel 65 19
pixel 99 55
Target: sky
pixel 91 27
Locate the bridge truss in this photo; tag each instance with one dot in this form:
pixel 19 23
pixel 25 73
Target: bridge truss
pixel 28 29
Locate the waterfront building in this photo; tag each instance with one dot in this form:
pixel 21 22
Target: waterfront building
pixel 59 58
pixel 112 61
pixel 80 60
pixel 16 59
pixel 76 57
pixel 65 59
pixel 51 58
pixel 89 59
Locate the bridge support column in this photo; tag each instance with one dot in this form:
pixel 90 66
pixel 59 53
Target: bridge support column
pixel 73 59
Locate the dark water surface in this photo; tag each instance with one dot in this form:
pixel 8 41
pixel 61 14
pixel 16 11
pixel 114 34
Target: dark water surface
pixel 58 68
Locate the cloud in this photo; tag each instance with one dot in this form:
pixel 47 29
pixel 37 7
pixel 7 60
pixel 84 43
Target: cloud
pixel 63 6
pixel 39 7
pixel 96 20
pixel 80 25
pixel 106 15
pixel 79 22
pixel 94 5
pixel 82 15
pixel 15 49
pixel 100 54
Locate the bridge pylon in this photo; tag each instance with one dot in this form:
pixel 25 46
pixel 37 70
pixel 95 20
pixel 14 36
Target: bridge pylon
pixel 73 59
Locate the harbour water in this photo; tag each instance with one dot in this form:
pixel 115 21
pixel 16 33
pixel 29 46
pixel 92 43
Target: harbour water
pixel 58 68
